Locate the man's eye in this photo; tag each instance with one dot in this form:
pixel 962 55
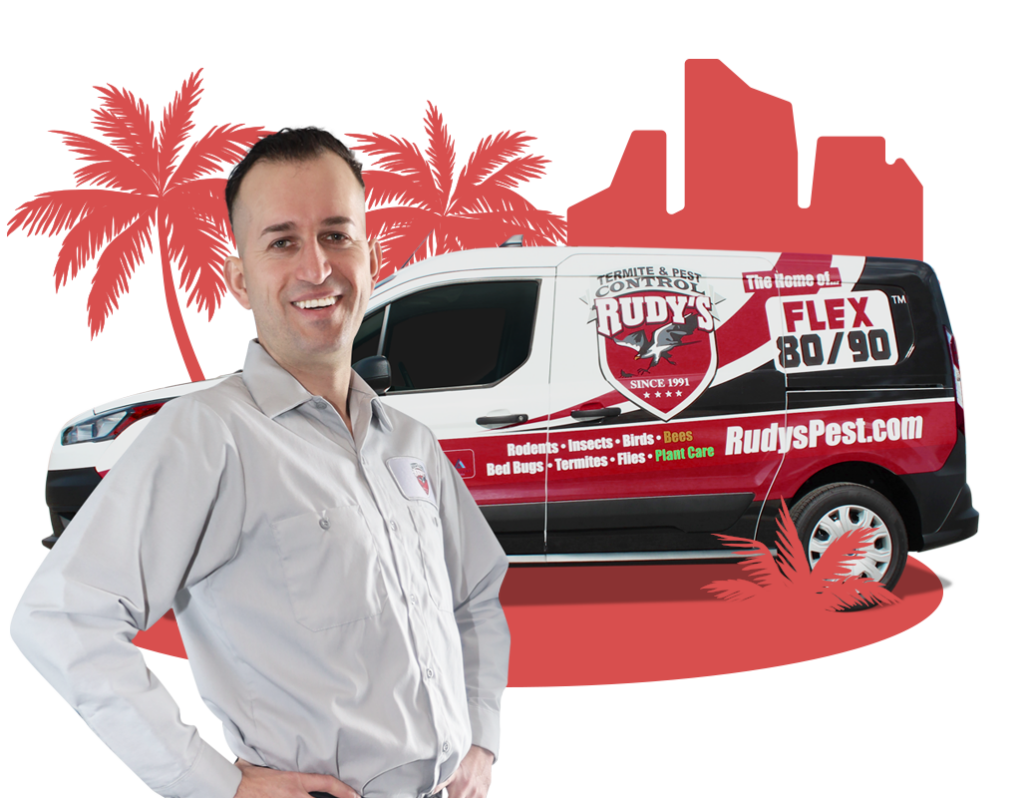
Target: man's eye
pixel 336 237
pixel 280 243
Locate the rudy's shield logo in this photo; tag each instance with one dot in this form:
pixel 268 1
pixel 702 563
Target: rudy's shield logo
pixel 421 477
pixel 657 347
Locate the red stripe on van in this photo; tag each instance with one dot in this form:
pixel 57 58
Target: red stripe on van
pixel 747 329
pixel 710 455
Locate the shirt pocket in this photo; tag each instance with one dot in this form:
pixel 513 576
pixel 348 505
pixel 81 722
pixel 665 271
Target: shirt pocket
pixel 431 546
pixel 331 566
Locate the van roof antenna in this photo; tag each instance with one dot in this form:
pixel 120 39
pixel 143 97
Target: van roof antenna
pixel 415 251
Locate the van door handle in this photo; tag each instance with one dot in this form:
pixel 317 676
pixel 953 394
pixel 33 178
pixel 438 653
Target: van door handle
pixel 601 412
pixel 515 418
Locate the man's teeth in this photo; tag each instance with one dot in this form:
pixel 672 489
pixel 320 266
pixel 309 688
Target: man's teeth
pixel 306 304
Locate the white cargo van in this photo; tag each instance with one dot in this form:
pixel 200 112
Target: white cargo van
pixel 628 404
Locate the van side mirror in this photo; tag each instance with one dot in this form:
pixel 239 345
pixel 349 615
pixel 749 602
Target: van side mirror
pixel 376 371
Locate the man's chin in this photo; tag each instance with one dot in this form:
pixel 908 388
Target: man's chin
pixel 306 353
pixel 324 351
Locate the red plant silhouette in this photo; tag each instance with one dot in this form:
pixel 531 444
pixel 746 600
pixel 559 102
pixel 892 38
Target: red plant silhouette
pixel 787 577
pixel 122 106
pixel 184 106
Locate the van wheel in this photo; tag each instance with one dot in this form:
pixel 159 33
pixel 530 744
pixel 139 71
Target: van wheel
pixel 827 512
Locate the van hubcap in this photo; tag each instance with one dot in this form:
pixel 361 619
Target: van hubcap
pixel 842 519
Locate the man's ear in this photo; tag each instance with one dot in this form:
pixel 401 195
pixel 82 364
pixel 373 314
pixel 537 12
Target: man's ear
pixel 235 279
pixel 376 260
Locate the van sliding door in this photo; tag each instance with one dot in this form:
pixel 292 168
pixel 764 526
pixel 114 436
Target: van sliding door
pixel 665 406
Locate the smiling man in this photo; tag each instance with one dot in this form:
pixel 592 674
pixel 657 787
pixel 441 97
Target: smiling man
pixel 306 278
pixel 335 585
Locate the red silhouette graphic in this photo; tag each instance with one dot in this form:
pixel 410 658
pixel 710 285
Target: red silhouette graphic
pixel 124 108
pixel 787 578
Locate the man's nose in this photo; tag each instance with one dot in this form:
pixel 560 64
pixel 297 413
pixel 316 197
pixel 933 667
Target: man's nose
pixel 314 266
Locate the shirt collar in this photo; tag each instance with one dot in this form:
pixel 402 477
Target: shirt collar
pixel 276 391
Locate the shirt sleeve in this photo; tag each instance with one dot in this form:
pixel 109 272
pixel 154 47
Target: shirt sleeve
pixel 166 516
pixel 476 567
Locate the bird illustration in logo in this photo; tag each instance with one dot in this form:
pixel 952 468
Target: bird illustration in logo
pixel 666 338
pixel 421 477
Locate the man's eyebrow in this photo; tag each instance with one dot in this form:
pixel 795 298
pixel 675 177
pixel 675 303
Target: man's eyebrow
pixel 287 226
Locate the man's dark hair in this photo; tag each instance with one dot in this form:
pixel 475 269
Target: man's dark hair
pixel 289 144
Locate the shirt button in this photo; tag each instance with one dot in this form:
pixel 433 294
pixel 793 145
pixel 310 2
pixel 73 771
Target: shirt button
pixel 446 747
pixel 394 527
pixel 435 520
pixel 413 600
pixel 325 524
pixel 430 673
pixel 320 404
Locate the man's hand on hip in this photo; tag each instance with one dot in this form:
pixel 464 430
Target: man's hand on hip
pixel 260 782
pixel 472 778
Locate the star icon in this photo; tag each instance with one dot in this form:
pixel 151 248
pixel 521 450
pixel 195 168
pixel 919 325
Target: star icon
pixel 679 393
pixel 647 396
pixel 657 393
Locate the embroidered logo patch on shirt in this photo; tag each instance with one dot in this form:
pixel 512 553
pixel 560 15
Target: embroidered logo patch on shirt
pixel 412 479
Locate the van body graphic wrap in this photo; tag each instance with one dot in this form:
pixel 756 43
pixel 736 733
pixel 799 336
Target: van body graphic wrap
pixel 747 327
pixel 672 333
pixel 722 454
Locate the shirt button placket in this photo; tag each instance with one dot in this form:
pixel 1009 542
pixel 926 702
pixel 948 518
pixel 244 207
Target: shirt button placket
pixel 379 496
pixel 413 599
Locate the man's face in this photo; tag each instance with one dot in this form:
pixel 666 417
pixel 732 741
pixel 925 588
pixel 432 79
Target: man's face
pixel 306 269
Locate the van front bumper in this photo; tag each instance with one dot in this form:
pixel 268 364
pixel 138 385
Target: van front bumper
pixel 960 524
pixel 66 492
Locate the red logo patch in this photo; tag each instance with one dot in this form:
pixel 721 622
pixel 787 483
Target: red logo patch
pixel 421 477
pixel 657 347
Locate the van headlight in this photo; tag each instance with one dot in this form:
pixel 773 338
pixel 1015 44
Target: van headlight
pixel 93 429
pixel 109 425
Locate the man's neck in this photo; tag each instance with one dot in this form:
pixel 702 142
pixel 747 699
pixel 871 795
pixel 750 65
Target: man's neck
pixel 330 379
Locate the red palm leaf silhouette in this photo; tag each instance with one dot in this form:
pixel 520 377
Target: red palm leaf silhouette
pixel 788 577
pixel 123 107
pixel 184 105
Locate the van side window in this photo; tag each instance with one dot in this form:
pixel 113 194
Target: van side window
pixel 460 335
pixel 367 340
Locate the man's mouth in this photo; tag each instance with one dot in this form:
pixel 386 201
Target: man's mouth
pixel 323 302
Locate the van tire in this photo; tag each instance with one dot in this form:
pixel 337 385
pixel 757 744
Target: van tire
pixel 850 506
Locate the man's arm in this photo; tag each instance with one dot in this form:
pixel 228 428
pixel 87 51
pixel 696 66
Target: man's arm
pixel 166 516
pixel 476 567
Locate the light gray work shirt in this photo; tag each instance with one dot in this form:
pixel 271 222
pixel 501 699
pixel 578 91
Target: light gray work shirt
pixel 337 593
